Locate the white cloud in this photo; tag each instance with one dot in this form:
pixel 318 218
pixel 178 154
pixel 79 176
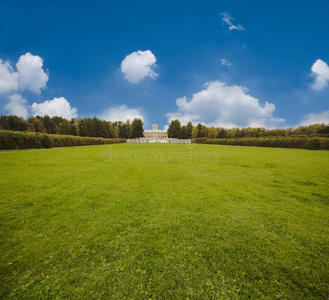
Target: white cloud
pixel 225 106
pixel 321 72
pixel 228 20
pixel 138 65
pixel 57 107
pixel 29 75
pixel 17 105
pixel 321 118
pixel 225 62
pixel 121 113
pixel 8 78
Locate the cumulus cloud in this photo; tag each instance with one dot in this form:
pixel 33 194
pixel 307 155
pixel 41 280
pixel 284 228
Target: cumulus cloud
pixel 17 105
pixel 138 65
pixel 321 72
pixel 8 78
pixel 121 113
pixel 225 106
pixel 29 75
pixel 225 62
pixel 228 20
pixel 321 118
pixel 57 107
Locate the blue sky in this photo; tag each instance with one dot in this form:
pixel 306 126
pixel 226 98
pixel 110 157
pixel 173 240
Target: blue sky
pixel 222 63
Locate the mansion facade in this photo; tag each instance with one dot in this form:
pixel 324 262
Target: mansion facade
pixel 155 133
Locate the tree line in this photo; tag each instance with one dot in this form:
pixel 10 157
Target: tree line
pixel 94 127
pixel 176 130
pixel 89 127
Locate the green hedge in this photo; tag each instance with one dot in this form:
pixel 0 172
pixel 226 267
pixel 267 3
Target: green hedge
pixel 27 140
pixel 200 140
pixel 299 143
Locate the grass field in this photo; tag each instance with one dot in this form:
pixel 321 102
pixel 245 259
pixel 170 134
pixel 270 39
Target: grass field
pixel 121 222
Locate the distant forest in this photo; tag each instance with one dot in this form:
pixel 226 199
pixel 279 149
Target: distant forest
pixel 93 127
pixel 176 130
pixel 78 127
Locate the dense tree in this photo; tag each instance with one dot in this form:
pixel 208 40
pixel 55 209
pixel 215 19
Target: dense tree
pixel 12 123
pixel 137 128
pixel 128 130
pixel 57 120
pixel 199 127
pixel 249 132
pixel 201 130
pixel 65 127
pixel 174 129
pixel 97 128
pixel 21 125
pixel 49 124
pixel 75 126
pixel 105 129
pixel 35 124
pixel 3 123
pixel 232 133
pixel 113 131
pixel 86 127
pixel 221 133
pixel 100 128
pixel 194 132
pixel 121 129
pixel 212 132
pixel 184 132
pixel 189 128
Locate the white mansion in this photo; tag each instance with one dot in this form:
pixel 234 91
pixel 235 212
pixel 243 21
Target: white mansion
pixel 155 133
pixel 157 136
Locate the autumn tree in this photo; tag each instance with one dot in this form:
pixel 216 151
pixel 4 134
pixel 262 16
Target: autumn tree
pixel 35 124
pixel 194 132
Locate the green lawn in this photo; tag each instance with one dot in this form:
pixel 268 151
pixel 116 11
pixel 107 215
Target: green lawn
pixel 76 223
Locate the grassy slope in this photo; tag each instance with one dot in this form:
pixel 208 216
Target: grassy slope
pixel 254 225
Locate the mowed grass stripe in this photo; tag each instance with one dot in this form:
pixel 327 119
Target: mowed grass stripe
pixel 253 224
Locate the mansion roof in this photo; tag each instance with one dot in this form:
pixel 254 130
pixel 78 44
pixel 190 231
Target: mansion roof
pixel 155 130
